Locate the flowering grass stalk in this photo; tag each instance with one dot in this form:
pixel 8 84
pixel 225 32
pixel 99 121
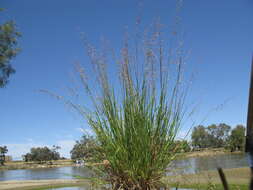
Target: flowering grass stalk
pixel 135 121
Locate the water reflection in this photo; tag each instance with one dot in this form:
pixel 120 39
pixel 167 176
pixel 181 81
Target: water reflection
pixel 44 173
pixel 198 164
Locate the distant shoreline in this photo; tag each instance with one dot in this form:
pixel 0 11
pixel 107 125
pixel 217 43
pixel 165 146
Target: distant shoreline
pixel 17 165
pixel 209 152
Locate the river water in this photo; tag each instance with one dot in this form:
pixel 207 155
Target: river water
pixel 189 165
pixel 45 173
pixel 198 164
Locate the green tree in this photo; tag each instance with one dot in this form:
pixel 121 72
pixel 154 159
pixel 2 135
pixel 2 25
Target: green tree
pixel 84 148
pixel 55 155
pixel 186 146
pixel 41 154
pixel 237 138
pixel 8 50
pixel 213 136
pixel 200 137
pixel 3 151
pixel 218 135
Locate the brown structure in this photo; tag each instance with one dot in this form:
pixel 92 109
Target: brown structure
pixel 249 136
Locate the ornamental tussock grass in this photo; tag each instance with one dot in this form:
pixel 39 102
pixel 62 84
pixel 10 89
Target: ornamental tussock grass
pixel 137 115
pixel 136 107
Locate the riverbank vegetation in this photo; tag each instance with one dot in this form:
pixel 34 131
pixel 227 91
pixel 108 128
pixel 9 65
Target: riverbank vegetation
pixel 42 154
pixel 218 136
pixel 16 165
pixel 38 157
pixel 84 148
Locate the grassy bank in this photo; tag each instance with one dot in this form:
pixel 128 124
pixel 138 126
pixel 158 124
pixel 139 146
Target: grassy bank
pixel 236 177
pixel 14 165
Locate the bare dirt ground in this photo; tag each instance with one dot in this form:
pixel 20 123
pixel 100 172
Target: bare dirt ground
pixel 14 165
pixel 32 184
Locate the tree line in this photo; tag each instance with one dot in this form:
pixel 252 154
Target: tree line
pixel 37 154
pixel 212 136
pixel 42 154
pixel 218 136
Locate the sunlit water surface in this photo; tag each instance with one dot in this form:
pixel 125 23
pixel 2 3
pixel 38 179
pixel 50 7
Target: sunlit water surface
pixel 198 164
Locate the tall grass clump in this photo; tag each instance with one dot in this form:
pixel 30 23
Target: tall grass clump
pixel 136 108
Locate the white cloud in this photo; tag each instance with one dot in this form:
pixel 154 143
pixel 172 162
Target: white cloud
pixel 66 146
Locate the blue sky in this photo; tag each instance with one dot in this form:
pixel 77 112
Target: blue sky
pixel 217 33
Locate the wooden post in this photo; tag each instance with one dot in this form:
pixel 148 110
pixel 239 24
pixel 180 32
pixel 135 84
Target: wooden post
pixel 223 179
pixel 249 136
